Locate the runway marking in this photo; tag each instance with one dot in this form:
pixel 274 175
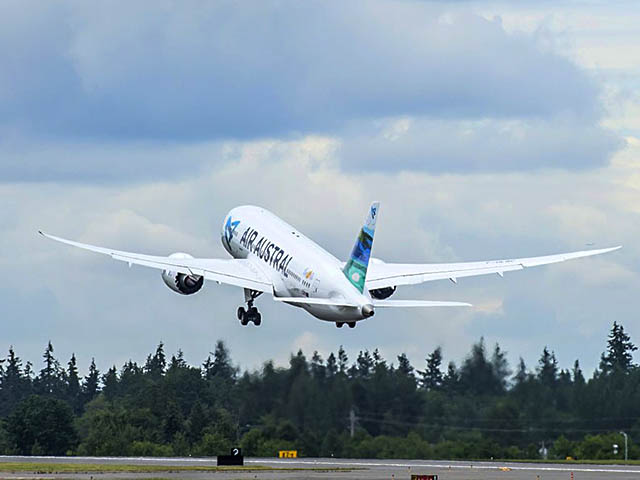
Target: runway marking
pixel 576 468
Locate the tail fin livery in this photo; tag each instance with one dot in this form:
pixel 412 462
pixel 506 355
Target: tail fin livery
pixel 356 268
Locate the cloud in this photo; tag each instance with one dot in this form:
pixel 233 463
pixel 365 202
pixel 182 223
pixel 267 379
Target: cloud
pixel 484 145
pixel 200 71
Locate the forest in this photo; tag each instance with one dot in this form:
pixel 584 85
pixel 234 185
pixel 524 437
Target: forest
pixel 367 407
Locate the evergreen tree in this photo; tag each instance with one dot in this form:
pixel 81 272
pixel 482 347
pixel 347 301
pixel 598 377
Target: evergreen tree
pixel 451 381
pixel 110 383
pixel 156 364
pixel 521 375
pixel 343 360
pixel 332 365
pixel 14 385
pixel 477 373
pixel 49 381
pixel 404 366
pixel 364 364
pixel 90 384
pixel 548 368
pixel 500 367
pixel 177 362
pixel 618 357
pixel 318 370
pixel 28 372
pixel 221 366
pixel 578 377
pixel 73 384
pixel 431 378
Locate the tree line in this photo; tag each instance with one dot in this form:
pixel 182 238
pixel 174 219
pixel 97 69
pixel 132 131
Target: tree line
pixel 366 408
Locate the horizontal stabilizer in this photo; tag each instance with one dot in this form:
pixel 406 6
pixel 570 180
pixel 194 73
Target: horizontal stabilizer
pixel 315 301
pixel 417 303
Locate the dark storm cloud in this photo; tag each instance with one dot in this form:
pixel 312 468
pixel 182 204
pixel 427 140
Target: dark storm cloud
pixel 211 70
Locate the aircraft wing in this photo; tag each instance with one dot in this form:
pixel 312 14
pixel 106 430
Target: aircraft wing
pixel 238 272
pixel 381 274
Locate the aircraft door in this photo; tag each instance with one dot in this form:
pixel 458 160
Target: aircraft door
pixel 314 287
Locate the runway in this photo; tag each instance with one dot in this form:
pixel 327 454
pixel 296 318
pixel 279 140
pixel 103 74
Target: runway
pixel 322 468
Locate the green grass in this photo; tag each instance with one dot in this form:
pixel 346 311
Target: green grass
pixel 49 468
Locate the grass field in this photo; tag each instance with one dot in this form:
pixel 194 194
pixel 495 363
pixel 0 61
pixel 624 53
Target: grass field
pixel 51 468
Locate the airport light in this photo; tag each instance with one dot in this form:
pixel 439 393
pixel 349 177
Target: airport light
pixel 626 446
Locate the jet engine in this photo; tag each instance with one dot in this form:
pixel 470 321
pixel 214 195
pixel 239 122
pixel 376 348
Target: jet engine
pixel 180 282
pixel 382 293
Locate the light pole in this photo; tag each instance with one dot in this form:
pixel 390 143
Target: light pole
pixel 626 446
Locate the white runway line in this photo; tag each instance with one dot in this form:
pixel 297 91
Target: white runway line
pixel 577 468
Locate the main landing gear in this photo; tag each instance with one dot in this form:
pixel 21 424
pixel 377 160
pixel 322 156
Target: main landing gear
pixel 351 324
pixel 251 314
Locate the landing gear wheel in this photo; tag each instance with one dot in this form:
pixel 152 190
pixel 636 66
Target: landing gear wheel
pixel 339 324
pixel 352 324
pixel 243 316
pixel 257 320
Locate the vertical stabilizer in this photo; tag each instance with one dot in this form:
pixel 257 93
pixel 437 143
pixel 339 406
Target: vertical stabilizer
pixel 356 268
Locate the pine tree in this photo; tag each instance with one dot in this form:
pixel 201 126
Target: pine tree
pixel 477 373
pixel 548 368
pixel 343 360
pixel 332 365
pixel 578 377
pixel 110 382
pixel 500 368
pixel 521 375
pixel 222 366
pixel 618 358
pixel 90 384
pixel 404 366
pixel 451 381
pixel 14 383
pixel 177 362
pixel 431 378
pixel 364 364
pixel 49 380
pixel 318 370
pixel 156 364
pixel 73 383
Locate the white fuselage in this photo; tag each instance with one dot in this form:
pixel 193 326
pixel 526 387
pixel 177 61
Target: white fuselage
pixel 297 266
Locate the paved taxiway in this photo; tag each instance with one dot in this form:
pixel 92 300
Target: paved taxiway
pixel 362 469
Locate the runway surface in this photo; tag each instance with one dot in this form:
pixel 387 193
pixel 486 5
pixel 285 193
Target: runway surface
pixel 326 468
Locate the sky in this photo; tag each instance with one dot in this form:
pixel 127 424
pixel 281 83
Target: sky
pixel 486 129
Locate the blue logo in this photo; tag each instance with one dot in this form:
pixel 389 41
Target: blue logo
pixel 229 230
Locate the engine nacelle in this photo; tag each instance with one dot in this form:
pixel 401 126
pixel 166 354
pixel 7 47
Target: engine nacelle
pixel 180 282
pixel 382 293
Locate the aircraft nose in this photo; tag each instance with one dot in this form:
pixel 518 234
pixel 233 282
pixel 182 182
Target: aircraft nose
pixel 367 310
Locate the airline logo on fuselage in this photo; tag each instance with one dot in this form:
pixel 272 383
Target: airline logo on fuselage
pixel 230 229
pixel 266 250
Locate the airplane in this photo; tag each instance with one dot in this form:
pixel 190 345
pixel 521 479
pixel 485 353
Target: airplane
pixel 270 256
